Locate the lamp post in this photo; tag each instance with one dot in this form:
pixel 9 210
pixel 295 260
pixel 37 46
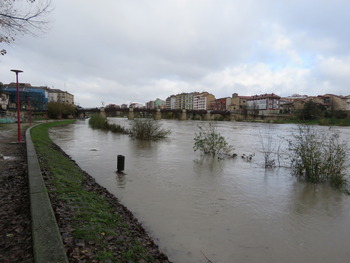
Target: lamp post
pixel 18 106
pixel 30 112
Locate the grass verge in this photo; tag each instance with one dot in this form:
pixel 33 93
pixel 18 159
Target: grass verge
pixel 324 121
pixel 96 227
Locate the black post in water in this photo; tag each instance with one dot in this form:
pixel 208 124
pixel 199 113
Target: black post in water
pixel 120 163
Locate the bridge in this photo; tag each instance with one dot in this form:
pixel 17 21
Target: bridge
pixel 158 114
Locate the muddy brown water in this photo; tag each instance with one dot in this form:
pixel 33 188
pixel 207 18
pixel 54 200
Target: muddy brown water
pixel 200 209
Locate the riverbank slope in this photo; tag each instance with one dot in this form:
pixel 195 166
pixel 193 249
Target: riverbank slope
pixel 94 226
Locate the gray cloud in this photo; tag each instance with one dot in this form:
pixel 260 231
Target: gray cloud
pixel 123 51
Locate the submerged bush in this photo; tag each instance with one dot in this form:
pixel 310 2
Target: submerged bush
pixel 147 129
pixel 116 128
pixel 209 141
pixel 318 157
pixel 271 149
pixel 98 122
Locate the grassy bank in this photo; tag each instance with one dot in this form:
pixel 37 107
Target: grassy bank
pixel 95 226
pixel 325 122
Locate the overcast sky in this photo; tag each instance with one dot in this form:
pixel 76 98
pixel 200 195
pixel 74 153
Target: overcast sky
pixel 122 51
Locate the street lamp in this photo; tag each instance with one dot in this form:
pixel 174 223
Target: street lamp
pixel 18 106
pixel 30 111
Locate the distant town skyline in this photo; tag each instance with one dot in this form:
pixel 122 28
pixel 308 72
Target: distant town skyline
pixel 122 52
pixel 103 104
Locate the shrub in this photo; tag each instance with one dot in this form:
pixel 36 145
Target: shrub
pixel 116 128
pixel 335 158
pixel 209 141
pixel 268 149
pixel 318 157
pixel 147 129
pixel 98 122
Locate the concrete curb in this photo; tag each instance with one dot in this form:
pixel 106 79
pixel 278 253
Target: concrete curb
pixel 47 241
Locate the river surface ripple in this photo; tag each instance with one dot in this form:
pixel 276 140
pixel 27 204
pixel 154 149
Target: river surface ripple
pixel 222 210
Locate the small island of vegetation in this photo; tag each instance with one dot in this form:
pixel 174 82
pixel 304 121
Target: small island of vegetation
pixel 143 129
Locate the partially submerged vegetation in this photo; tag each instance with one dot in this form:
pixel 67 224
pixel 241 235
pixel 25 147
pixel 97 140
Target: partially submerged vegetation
pixel 319 157
pixel 313 156
pixel 98 122
pixel 143 129
pixel 271 149
pixel 87 214
pixel 210 142
pixel 147 129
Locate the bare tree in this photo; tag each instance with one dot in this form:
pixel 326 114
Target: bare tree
pixel 20 17
pixel 254 110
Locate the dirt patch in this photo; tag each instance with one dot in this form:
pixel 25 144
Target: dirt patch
pixel 15 218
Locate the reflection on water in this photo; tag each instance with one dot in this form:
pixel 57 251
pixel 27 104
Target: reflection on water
pixel 121 182
pixel 224 210
pixel 212 166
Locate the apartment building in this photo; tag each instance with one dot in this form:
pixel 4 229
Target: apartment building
pixel 222 104
pixel 202 101
pixel 264 103
pixel 170 102
pixel 150 104
pixel 332 102
pixel 238 103
pixel 156 104
pixel 60 96
pixel 159 104
pixel 31 97
pixel 328 101
pixel 184 101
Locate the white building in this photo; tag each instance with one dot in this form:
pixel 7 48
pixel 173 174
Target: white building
pixel 202 101
pixel 264 102
pixel 57 95
pixel 170 102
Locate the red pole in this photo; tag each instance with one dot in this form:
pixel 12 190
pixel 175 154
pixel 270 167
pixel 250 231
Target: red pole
pixel 18 107
pixel 18 111
pixel 30 114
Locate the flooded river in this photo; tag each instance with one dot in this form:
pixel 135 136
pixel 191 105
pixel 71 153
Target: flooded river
pixel 219 210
